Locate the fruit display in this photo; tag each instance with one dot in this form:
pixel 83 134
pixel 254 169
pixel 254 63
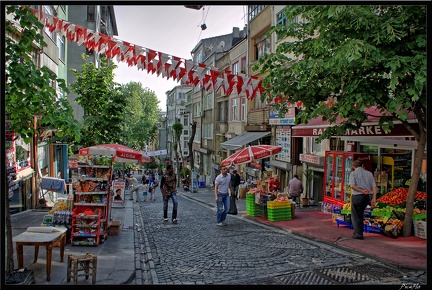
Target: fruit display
pixel 398 196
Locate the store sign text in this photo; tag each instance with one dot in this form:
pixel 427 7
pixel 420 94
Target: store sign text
pixel 362 131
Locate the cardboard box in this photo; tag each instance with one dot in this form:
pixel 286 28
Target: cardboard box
pixel 420 229
pixel 242 192
pixel 115 228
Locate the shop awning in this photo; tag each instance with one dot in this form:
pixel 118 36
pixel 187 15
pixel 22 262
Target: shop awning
pixel 243 139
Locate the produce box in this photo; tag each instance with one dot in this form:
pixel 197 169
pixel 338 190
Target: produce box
pixel 115 228
pixel 279 214
pixel 420 216
pixel 420 229
pixel 242 192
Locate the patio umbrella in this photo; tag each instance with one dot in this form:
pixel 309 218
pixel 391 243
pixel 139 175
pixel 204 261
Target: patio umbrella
pixel 250 153
pixel 120 152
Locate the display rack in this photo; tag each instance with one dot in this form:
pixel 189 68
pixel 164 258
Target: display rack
pixel 397 166
pixel 92 197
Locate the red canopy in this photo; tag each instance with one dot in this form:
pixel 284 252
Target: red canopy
pixel 251 153
pixel 120 152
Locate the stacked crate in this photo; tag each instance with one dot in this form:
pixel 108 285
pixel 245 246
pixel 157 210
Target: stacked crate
pixel 279 211
pixel 252 208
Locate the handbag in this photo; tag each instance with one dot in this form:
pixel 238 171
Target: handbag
pixel 233 206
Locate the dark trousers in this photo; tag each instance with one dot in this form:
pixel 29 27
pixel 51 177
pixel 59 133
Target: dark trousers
pixel 359 204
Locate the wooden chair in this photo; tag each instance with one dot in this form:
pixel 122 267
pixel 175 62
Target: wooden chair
pixel 81 266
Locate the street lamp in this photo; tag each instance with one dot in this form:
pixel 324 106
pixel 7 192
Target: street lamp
pixel 124 133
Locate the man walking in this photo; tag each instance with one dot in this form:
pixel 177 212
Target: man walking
pixel 221 191
pixel 168 186
pixel 362 183
pixel 135 187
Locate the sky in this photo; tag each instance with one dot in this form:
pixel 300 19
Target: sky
pixel 173 30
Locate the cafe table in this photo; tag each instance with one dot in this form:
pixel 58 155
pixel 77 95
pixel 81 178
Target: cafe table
pixel 41 236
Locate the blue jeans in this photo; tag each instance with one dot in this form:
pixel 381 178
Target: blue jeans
pixel 173 197
pixel 223 206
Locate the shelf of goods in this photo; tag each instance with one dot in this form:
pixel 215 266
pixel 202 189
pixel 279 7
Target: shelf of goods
pixel 397 166
pixel 86 228
pixel 92 194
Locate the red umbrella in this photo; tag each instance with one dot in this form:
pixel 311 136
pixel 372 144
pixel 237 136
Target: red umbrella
pixel 120 152
pixel 250 153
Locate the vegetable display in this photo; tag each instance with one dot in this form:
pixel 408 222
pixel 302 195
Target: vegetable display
pixel 399 196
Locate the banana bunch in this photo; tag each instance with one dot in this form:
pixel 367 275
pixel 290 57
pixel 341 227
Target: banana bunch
pixel 346 206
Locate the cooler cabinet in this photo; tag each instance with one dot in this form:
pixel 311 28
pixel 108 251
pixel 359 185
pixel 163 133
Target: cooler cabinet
pixel 337 168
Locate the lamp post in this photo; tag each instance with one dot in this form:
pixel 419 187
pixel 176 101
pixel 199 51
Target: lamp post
pixel 124 133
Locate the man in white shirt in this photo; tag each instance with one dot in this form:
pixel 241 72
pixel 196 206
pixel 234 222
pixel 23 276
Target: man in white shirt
pixel 222 189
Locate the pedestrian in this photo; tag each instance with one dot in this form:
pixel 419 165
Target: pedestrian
pixel 362 183
pixel 295 188
pixel 235 182
pixel 145 191
pixel 222 189
pixel 169 191
pixel 153 185
pixel 135 187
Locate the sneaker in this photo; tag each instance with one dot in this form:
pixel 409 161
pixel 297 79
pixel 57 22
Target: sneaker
pixel 224 223
pixel 165 219
pixel 220 224
pixel 174 221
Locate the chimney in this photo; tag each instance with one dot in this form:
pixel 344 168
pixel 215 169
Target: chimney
pixel 236 32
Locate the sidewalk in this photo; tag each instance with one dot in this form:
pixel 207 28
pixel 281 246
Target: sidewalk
pixel 312 223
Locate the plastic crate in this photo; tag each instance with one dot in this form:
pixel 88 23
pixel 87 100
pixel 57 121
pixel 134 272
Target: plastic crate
pixel 420 216
pixel 420 229
pixel 345 211
pixel 278 204
pixel 369 229
pixel 276 219
pixel 344 223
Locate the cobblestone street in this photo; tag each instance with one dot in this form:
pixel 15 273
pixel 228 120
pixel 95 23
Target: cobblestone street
pixel 197 251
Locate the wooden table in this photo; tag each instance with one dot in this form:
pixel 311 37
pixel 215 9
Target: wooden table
pixel 37 239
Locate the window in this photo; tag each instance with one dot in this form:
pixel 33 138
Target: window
pixel 90 12
pixel 208 131
pixel 48 10
pixel 220 112
pixel 280 20
pixel 185 132
pixel 243 68
pixel 243 109
pixel 226 111
pixel 254 10
pixel 234 109
pixel 262 46
pixel 197 109
pixel 61 46
pixel 208 102
pixel 235 68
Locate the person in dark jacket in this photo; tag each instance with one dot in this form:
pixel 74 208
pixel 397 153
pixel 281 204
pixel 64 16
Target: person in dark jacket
pixel 235 182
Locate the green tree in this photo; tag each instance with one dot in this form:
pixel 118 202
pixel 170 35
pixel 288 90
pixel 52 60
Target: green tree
pixel 143 102
pixel 31 103
pixel 103 104
pixel 344 59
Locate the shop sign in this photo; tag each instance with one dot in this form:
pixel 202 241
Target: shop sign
pixel 287 119
pixel 73 163
pixel 314 159
pixel 256 165
pixel 203 150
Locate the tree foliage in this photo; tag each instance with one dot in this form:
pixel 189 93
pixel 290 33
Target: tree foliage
pixel 28 89
pixel 143 126
pixel 345 59
pixel 102 102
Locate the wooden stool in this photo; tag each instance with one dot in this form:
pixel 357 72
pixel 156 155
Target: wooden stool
pixel 82 263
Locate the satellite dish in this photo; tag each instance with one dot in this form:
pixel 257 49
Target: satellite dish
pixel 221 44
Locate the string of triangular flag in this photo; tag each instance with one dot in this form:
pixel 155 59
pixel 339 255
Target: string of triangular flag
pixel 164 65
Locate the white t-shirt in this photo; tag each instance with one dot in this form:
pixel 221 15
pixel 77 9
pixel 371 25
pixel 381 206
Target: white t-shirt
pixel 223 183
